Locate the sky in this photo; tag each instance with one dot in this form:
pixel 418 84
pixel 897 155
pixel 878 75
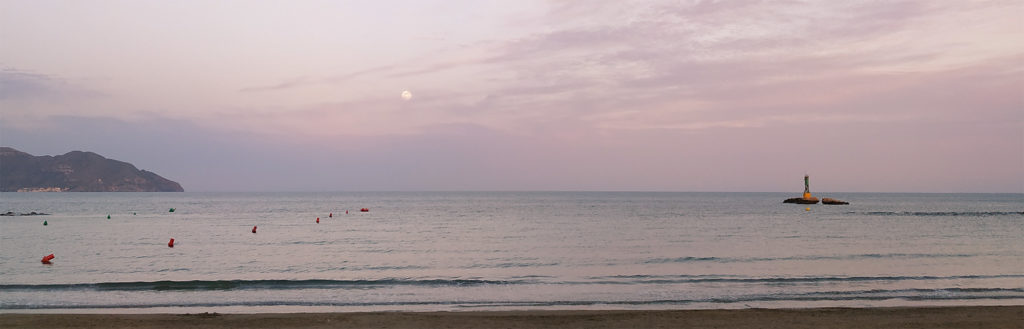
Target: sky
pixel 864 96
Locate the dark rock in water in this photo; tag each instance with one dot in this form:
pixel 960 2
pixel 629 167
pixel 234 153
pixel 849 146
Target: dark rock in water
pixel 811 200
pixel 11 213
pixel 833 201
pixel 75 171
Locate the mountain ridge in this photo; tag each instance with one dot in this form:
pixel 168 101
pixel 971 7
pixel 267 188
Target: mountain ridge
pixel 76 171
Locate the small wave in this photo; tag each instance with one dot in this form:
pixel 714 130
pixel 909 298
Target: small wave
pixel 201 285
pixel 907 294
pixel 248 284
pixel 904 294
pixel 875 294
pixel 942 213
pixel 677 279
pixel 684 260
pixel 509 265
pixel 393 268
pixel 689 259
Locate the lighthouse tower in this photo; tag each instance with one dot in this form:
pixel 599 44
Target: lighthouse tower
pixel 807 198
pixel 807 187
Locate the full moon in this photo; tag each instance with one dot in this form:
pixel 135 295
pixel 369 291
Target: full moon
pixel 406 95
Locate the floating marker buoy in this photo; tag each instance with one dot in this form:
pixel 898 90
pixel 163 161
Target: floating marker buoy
pixel 254 229
pixel 807 209
pixel 171 244
pixel 318 220
pixel 365 210
pixel 108 216
pixel 47 258
pixel 171 210
pixel 134 214
pixel 346 212
pixel 44 223
pixel 331 215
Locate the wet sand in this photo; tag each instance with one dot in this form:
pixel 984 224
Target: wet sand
pixel 902 317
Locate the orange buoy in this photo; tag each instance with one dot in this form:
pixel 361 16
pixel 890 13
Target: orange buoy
pixel 254 229
pixel 47 258
pixel 171 244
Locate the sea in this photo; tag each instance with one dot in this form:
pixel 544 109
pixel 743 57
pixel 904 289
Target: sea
pixel 468 251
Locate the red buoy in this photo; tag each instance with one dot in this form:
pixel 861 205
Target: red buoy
pixel 331 215
pixel 318 220
pixel 346 212
pixel 254 229
pixel 365 210
pixel 47 258
pixel 171 244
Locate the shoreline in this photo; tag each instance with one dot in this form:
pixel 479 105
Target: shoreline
pixel 881 317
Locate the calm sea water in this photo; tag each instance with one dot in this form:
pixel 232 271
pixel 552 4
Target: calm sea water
pixel 514 250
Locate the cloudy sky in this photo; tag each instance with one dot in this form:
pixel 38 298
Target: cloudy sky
pixel 875 96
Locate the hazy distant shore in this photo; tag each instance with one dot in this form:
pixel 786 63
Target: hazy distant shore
pixel 901 317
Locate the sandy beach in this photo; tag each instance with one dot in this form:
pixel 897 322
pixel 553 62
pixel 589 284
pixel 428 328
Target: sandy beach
pixel 923 317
